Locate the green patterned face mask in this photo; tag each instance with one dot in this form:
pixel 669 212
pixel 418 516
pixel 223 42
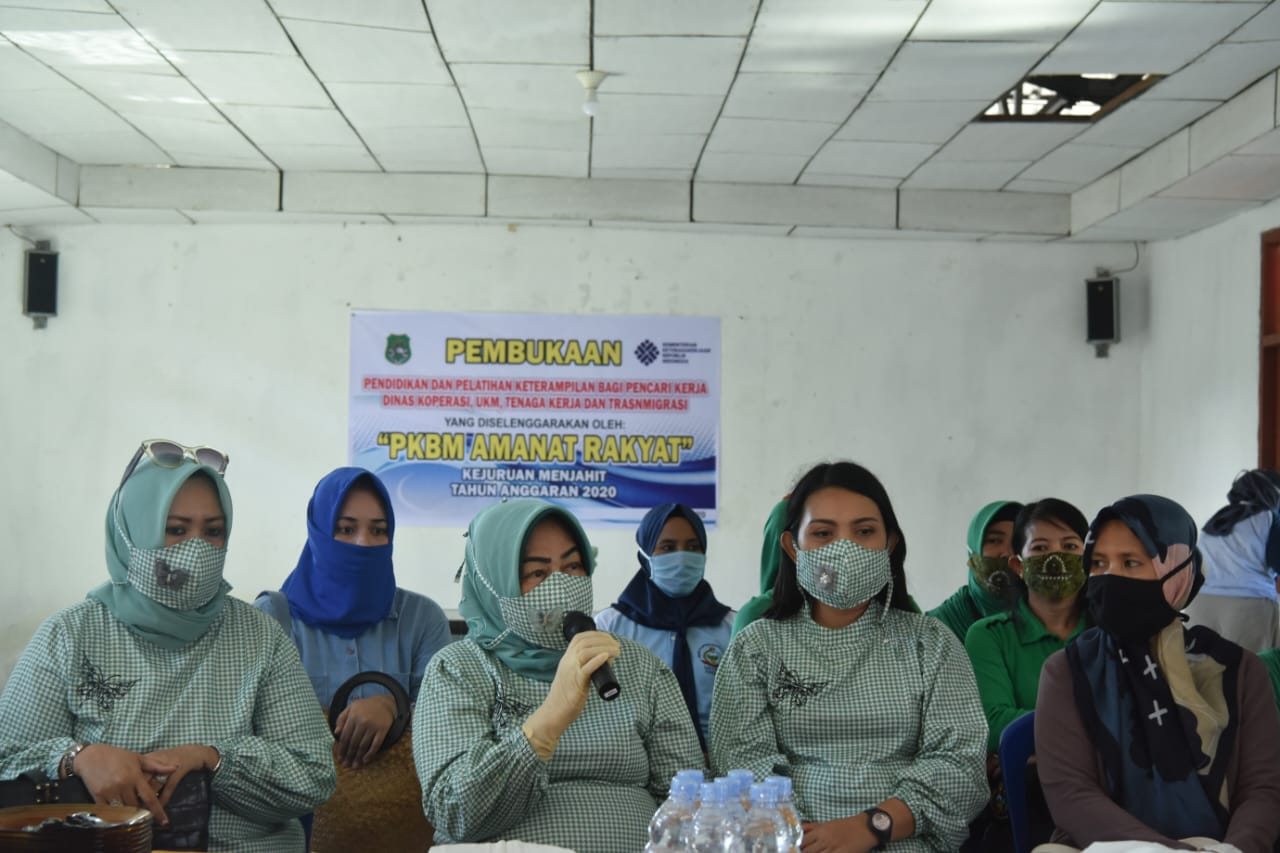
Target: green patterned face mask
pixel 1057 576
pixel 992 572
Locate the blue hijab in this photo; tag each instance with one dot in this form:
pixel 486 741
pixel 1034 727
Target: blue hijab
pixel 338 587
pixel 643 603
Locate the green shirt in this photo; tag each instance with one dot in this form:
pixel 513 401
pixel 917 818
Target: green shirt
pixel 239 688
pixel 885 707
pixel 1271 657
pixel 1007 657
pixel 481 779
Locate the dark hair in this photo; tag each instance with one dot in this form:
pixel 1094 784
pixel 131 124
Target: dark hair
pixel 1251 492
pixel 1008 512
pixel 1047 509
pixel 788 597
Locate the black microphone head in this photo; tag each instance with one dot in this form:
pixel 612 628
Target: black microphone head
pixel 575 622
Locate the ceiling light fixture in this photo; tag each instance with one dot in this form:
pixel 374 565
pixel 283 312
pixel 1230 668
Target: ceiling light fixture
pixel 590 80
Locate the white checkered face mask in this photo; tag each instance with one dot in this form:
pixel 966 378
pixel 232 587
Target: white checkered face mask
pixel 842 574
pixel 185 576
pixel 538 616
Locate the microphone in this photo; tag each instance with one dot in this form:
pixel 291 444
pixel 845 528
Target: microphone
pixel 575 622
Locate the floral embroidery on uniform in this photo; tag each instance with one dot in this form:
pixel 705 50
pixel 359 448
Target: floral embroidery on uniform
pixel 509 712
pixel 791 687
pixel 102 689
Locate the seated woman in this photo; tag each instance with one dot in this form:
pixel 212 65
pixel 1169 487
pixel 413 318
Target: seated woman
pixel 990 588
pixel 1008 650
pixel 344 612
pixel 510 739
pixel 869 708
pixel 1145 730
pixel 670 608
pixel 1241 548
pixel 161 673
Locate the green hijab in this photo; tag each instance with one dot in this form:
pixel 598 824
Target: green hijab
pixel 987 603
pixel 145 499
pixel 492 571
pixel 770 562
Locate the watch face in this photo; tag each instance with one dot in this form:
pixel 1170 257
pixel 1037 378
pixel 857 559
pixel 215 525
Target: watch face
pixel 881 821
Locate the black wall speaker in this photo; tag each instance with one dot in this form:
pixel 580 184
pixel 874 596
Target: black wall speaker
pixel 40 297
pixel 1102 310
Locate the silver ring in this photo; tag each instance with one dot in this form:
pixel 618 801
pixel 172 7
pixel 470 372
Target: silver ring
pixel 116 803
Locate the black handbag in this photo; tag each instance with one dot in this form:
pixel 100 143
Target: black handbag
pixel 188 807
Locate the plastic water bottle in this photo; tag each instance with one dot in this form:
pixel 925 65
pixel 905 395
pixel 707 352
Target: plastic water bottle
pixel 714 828
pixel 669 829
pixel 743 780
pixel 766 830
pixel 787 808
pixel 736 800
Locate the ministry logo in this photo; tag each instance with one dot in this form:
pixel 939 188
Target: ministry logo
pixel 647 352
pixel 398 351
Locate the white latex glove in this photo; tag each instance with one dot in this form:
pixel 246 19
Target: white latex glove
pixel 587 652
pixel 1222 847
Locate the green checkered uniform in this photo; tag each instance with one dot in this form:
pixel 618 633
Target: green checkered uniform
pixel 239 688
pixel 481 779
pixel 886 707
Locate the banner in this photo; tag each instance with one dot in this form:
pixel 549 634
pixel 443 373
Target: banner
pixel 606 416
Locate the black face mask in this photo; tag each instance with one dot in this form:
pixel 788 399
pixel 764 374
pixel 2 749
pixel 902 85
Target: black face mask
pixel 1129 609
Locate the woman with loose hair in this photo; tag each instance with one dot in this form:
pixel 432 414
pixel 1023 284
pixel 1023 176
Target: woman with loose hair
pixel 869 707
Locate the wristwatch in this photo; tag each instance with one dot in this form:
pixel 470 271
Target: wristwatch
pixel 66 765
pixel 880 822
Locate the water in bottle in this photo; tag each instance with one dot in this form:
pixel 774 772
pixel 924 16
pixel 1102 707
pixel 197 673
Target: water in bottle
pixel 669 829
pixel 787 808
pixel 743 780
pixel 765 830
pixel 714 828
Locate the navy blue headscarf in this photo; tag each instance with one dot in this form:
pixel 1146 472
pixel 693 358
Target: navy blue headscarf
pixel 341 588
pixel 1156 769
pixel 643 603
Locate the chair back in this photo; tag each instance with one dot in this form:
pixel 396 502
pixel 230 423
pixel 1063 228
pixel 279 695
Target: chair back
pixel 1017 745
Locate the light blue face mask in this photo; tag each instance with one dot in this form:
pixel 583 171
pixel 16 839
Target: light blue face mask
pixel 676 573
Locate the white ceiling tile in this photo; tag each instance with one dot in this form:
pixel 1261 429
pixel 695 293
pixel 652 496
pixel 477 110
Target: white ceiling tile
pixel 633 113
pixel 1220 73
pixel 418 149
pixel 281 217
pixel 20 72
pixel 341 53
pixel 967 175
pixel 816 232
pixel 24 159
pixel 829 36
pixel 645 152
pixel 643 174
pixel 968 71
pixel 66 5
pixel 541 162
pixel 139 216
pixel 880 159
pixel 63 214
pixel 185 189
pixel 505 129
pixel 1028 185
pixel 799 97
pixel 394 14
pixel 750 168
pixel 1264 26
pixel 1144 122
pixel 228 25
pixel 1079 163
pixel 76 39
pixel 668 65
pixel 292 126
pixel 1266 144
pixel 216 140
pixel 213 160
pixel 762 136
pixel 998 140
pixel 1156 168
pixel 524 88
pixel 909 121
pixel 549 31
pixel 371 105
pixel 1000 20
pixel 123 146
pixel 763 204
pixel 1120 37
pixel 674 17
pixel 16 195
pixel 964 210
pixel 253 79
pixel 1095 202
pixel 815 179
pixel 1238 122
pixel 1176 216
pixel 149 94
pixel 1254 178
pixel 319 158
pixel 67 110
pixel 336 192
pixel 588 199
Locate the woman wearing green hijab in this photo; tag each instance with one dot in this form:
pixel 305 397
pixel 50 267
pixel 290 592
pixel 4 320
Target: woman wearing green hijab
pixel 509 737
pixel 770 559
pixel 159 673
pixel 989 590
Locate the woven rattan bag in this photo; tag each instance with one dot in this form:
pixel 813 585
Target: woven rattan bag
pixel 379 806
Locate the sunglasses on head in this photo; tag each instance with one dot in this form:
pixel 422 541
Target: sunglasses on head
pixel 169 454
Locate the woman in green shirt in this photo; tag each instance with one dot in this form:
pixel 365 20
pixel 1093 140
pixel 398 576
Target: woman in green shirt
pixel 991 585
pixel 870 708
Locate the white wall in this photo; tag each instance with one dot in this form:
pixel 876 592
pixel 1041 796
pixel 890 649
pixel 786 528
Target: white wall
pixel 955 371
pixel 1200 364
